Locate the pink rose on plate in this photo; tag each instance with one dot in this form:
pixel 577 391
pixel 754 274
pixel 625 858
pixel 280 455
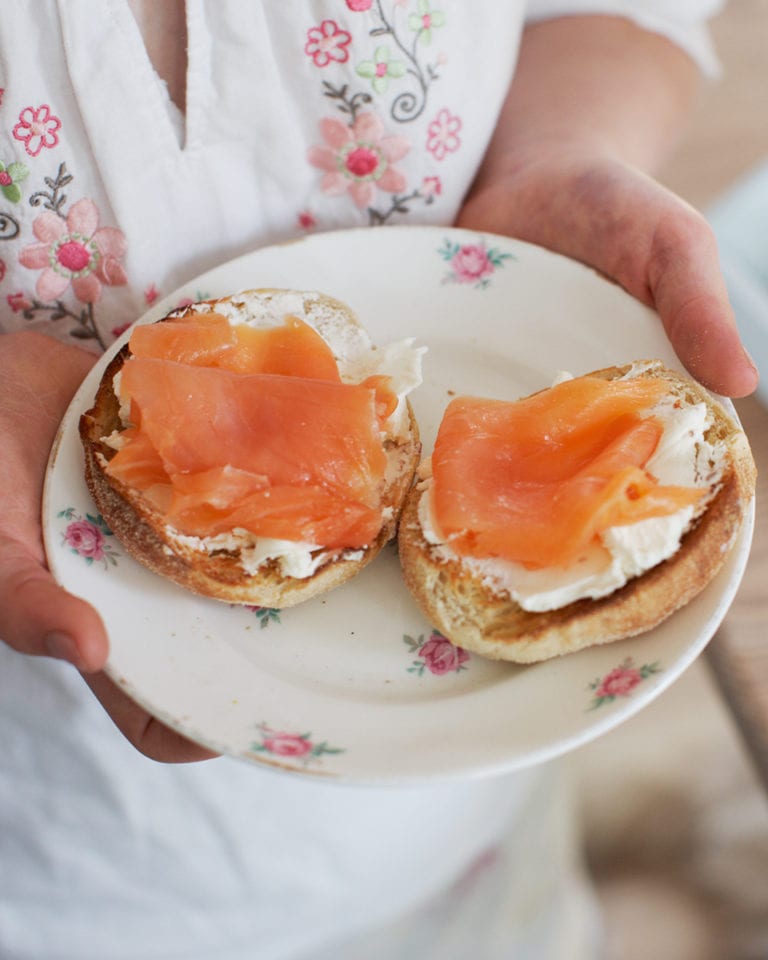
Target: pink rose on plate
pixel 619 682
pixel 471 263
pixel 295 746
pixel 86 539
pixel 286 744
pixel 441 656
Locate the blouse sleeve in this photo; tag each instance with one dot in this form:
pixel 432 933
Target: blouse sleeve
pixel 684 22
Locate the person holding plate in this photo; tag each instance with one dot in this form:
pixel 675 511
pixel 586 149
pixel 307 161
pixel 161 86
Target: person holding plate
pixel 199 132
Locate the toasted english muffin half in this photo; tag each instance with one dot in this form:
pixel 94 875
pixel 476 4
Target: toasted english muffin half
pixel 218 567
pixel 476 611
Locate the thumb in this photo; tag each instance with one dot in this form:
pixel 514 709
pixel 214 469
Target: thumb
pixel 40 618
pixel 691 298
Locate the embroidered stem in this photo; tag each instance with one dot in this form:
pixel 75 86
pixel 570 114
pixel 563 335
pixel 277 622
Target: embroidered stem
pixel 408 105
pixel 376 218
pixel 347 104
pixel 86 328
pixel 53 200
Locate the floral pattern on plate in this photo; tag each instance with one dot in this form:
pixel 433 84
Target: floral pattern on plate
pixel 436 654
pixel 620 682
pixel 291 746
pixel 333 676
pixel 472 263
pixel 88 537
pixel 265 615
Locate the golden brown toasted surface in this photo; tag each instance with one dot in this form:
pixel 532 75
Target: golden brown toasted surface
pixel 475 617
pixel 147 537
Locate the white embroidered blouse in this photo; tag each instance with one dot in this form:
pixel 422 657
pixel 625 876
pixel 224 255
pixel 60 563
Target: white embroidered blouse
pixel 302 115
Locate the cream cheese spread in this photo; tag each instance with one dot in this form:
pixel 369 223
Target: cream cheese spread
pixel 683 457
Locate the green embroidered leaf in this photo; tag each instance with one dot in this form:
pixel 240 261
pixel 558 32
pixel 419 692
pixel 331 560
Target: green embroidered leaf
pixel 366 69
pixel 18 171
pixel 11 192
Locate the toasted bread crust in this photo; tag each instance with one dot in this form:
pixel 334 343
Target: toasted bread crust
pixel 146 536
pixel 478 619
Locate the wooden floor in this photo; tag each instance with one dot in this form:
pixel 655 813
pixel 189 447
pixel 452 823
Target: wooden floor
pixel 675 811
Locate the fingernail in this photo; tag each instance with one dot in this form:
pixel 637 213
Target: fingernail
pixel 63 647
pixel 751 360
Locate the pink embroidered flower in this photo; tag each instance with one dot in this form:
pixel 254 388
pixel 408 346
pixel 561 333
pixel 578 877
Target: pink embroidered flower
pixel 327 44
pixel 443 134
pixel 86 539
pixel 441 656
pixel 359 159
pixel 75 251
pixel 120 329
pixel 358 5
pixel 306 220
pixel 18 302
pixel 471 263
pixel 619 682
pixel 37 128
pixel 431 187
pixel 286 744
pixel 151 294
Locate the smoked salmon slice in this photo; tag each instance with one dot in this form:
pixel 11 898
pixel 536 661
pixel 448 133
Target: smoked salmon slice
pixel 536 481
pixel 293 348
pixel 223 436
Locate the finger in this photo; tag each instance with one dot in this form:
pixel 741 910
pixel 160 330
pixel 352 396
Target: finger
pixel 639 234
pixel 691 298
pixel 39 617
pixel 145 732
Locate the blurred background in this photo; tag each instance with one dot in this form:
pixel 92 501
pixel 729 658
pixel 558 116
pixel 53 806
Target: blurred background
pixel 676 814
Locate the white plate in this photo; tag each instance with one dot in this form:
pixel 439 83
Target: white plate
pixel 353 685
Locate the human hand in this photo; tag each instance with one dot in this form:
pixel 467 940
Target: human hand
pixel 619 221
pixel 38 377
pixel 594 101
